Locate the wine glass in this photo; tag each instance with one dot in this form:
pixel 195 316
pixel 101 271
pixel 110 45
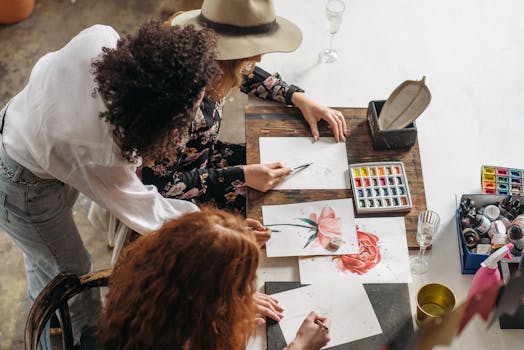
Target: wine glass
pixel 427 230
pixel 334 12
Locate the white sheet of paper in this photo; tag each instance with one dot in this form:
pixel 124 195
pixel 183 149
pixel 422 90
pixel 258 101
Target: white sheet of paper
pixel 335 218
pixel 344 301
pixel 384 261
pixel 329 168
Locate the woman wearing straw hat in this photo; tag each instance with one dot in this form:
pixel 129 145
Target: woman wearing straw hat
pixel 212 171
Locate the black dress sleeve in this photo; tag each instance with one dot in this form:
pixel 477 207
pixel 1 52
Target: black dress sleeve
pixel 269 87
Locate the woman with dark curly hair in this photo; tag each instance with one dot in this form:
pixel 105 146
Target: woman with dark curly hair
pixel 89 115
pixel 190 285
pixel 208 170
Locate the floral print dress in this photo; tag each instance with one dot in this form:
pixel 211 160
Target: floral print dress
pixel 208 170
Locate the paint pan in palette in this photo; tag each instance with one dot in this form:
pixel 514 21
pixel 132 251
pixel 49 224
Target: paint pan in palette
pixel 380 187
pixel 501 180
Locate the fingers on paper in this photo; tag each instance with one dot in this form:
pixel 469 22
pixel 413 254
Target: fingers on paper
pixel 269 297
pixel 314 128
pixel 343 120
pixel 335 120
pixel 266 310
pixel 268 306
pixel 337 123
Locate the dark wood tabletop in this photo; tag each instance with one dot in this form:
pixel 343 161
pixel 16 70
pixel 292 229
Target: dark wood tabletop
pixel 263 121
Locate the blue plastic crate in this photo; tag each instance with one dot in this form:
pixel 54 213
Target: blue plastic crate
pixel 470 262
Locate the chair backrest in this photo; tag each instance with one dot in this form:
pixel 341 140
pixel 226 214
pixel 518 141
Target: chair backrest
pixel 54 298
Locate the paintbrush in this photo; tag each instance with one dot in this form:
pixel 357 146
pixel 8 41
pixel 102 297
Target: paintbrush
pixel 317 321
pixel 252 229
pixel 300 167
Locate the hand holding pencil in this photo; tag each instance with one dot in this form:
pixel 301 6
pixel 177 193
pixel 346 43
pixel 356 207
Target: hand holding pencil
pixel 312 334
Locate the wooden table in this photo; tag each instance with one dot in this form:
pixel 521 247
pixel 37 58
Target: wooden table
pixel 286 121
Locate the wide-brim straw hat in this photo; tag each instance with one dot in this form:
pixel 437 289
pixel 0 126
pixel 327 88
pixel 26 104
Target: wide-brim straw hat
pixel 245 28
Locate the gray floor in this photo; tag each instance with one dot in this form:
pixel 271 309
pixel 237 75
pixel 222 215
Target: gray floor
pixel 51 25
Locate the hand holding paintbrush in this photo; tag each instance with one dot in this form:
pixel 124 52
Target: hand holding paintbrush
pixel 263 177
pixel 262 233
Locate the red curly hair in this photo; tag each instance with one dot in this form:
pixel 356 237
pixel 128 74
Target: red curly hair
pixel 187 286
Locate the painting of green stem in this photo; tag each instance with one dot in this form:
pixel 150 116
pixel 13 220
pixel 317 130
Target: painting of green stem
pixel 320 228
pixel 325 228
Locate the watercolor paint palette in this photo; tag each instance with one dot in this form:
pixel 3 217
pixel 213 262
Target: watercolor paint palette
pixel 501 180
pixel 380 187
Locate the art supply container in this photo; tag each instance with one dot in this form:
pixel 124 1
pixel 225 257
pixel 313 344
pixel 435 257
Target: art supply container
pixel 434 300
pixel 389 139
pixel 501 180
pixel 470 259
pixel 380 187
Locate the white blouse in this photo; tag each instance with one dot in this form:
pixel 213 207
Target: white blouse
pixel 53 129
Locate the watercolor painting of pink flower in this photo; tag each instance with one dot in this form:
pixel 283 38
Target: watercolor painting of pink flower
pixel 326 228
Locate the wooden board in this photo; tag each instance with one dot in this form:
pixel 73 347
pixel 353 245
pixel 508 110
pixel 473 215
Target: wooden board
pixel 287 121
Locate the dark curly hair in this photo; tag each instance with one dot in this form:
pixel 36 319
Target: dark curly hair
pixel 189 285
pixel 151 83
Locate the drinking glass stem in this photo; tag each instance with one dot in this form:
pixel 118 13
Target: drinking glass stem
pixel 330 41
pixel 421 252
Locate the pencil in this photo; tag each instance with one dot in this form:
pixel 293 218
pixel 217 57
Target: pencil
pixel 317 321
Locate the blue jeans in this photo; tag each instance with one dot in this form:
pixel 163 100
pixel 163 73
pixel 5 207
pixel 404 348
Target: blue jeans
pixel 37 214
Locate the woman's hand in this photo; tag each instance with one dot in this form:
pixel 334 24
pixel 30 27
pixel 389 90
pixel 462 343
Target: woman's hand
pixel 264 177
pixel 267 306
pixel 262 233
pixel 310 335
pixel 314 112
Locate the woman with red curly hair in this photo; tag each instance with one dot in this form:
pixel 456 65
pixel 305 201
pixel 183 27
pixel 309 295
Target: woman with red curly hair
pixel 90 114
pixel 190 285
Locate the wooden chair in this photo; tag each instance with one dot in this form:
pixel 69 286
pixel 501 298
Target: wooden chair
pixel 54 298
